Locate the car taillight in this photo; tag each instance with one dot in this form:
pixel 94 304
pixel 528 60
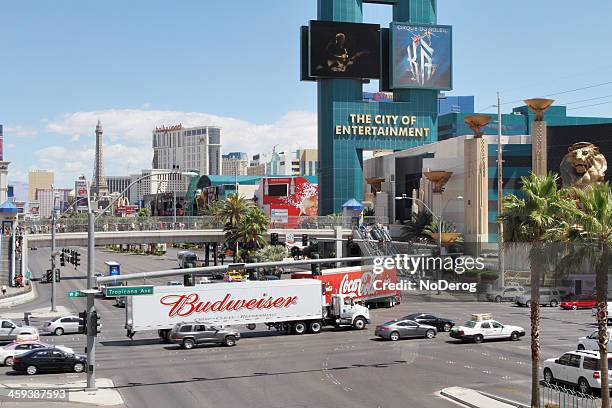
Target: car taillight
pixel 596 375
pixel 461 332
pixel 16 360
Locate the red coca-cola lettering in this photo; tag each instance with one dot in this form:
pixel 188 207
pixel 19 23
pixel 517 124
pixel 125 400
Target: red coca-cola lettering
pixel 185 305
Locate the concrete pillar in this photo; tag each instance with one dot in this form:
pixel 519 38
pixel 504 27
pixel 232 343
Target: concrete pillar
pixel 207 253
pixel 476 202
pixel 339 242
pixel 538 148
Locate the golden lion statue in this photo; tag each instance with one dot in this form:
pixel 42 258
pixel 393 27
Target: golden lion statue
pixel 583 165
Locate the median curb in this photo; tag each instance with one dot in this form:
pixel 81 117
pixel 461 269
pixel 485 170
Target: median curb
pixel 19 299
pixel 476 399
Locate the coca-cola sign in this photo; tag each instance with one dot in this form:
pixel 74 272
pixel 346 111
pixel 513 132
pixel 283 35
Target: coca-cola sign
pixel 358 283
pixel 187 304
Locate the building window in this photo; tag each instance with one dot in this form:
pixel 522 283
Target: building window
pixel 310 168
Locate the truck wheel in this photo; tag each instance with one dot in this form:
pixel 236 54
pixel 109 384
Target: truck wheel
pixel 230 341
pixel 299 328
pixel 188 344
pixel 478 338
pixel 251 326
pixel 314 327
pixel 359 323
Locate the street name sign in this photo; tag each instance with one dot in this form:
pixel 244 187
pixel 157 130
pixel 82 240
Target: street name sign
pixel 129 290
pixel 75 294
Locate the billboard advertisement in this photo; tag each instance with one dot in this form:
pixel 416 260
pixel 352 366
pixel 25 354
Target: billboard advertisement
pixel 80 189
pixel 344 50
pixel 421 56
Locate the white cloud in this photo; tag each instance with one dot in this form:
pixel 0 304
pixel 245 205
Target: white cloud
pixel 134 127
pixel 19 131
pixel 127 137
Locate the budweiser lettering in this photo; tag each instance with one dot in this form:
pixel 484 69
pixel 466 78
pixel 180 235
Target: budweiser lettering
pixel 185 305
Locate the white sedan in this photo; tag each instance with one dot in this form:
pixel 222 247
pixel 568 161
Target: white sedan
pixel 478 331
pixel 8 352
pixel 590 342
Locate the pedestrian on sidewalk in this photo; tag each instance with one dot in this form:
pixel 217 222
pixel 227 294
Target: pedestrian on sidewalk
pixel 3 290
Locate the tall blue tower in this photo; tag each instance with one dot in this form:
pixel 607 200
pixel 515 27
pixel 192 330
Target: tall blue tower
pixel 342 113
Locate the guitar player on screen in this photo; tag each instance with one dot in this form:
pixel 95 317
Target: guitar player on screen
pixel 338 57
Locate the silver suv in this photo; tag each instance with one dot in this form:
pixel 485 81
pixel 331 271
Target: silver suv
pixel 548 296
pixel 190 334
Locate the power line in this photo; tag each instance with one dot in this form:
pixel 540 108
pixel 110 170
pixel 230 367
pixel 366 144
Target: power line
pixel 585 100
pixel 588 106
pixel 555 93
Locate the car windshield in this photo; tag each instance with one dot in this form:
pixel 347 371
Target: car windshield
pixel 392 322
pixel 412 316
pixel 471 324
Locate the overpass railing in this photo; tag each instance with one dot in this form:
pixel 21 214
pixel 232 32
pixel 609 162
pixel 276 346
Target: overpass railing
pixel 111 224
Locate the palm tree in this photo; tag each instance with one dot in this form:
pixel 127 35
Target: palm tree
pixel 527 219
pixel 591 213
pixel 232 210
pixel 252 228
pixel 414 229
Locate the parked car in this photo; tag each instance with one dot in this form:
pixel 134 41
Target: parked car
pixel 49 360
pixel 233 276
pixel 190 334
pixel 204 280
pixel 10 331
pixel 590 342
pixel 428 319
pixel 404 328
pixel 173 283
pixel 60 325
pixel 8 352
pixel 577 368
pixel 548 296
pixel 578 302
pixel 506 294
pixel 120 301
pixel 483 327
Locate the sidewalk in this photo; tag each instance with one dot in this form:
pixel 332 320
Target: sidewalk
pixel 475 399
pixel 17 296
pixel 106 395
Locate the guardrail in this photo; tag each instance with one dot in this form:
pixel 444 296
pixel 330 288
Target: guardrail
pixel 110 224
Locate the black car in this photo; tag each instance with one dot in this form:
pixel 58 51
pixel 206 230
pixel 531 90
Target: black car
pixel 49 360
pixel 431 320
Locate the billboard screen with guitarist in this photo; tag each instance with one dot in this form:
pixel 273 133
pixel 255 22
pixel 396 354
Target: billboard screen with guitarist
pixel 344 50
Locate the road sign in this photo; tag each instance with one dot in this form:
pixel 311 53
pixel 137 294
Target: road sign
pixel 129 290
pixel 75 294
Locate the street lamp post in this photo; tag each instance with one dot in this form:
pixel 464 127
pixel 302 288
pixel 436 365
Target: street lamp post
pixel 53 254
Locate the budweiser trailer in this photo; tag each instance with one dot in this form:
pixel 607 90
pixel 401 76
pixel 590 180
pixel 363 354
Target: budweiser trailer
pixel 291 306
pixel 361 282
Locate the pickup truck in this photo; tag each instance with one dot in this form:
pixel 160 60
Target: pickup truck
pixel 9 330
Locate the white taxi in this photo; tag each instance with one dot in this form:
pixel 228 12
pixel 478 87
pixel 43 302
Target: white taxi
pixel 483 327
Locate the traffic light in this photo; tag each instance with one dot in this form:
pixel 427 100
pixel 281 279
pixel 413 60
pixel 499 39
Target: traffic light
pixel 315 267
pixel 96 322
pixel 188 279
pixel 77 260
pixel 304 239
pixel 62 259
pixel 72 256
pixel 274 238
pixel 48 275
pixel 57 275
pixel 83 322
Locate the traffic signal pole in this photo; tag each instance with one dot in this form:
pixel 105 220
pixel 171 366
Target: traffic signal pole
pixel 53 255
pixel 91 330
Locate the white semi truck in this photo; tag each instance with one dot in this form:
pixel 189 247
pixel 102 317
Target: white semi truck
pixel 293 306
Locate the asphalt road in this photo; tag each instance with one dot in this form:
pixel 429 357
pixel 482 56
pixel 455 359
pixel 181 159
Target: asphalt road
pixel 330 370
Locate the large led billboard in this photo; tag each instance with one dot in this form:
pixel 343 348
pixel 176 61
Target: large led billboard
pixel 421 56
pixel 344 50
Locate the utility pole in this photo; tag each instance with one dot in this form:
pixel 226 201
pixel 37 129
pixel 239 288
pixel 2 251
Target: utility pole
pixel 53 289
pixel 500 195
pixel 91 330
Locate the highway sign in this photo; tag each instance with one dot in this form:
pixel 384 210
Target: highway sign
pixel 75 294
pixel 129 290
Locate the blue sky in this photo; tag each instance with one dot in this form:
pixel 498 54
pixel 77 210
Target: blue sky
pixel 137 64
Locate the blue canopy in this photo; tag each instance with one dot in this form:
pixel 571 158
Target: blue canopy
pixel 353 204
pixel 8 207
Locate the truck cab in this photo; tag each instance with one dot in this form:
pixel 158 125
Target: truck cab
pixel 346 312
